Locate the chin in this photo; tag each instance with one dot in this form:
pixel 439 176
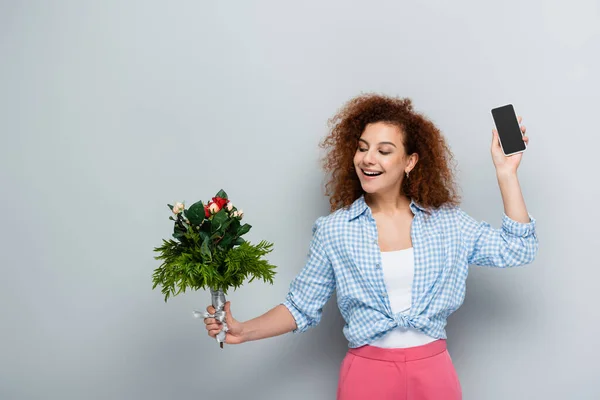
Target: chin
pixel 369 190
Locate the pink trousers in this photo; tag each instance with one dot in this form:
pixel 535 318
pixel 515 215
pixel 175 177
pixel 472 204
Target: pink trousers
pixel 416 373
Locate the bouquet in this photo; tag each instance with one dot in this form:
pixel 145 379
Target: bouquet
pixel 208 251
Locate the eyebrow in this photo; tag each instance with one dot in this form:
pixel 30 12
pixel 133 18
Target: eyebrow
pixel 363 140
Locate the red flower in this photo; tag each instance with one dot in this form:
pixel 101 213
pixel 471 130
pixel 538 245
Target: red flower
pixel 220 201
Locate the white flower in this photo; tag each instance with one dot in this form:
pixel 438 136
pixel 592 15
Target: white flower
pixel 213 208
pixel 229 206
pixel 240 213
pixel 178 207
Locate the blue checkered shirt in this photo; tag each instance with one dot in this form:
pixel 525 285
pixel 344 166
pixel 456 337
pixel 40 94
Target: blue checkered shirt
pixel 344 255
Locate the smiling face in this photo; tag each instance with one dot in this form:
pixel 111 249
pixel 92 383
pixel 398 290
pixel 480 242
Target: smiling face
pixel 381 161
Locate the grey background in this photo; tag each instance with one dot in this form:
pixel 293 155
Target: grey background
pixel 109 110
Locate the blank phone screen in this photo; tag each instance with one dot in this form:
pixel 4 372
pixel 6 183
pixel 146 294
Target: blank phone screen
pixel 508 128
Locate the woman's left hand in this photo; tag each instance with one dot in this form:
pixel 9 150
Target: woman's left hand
pixel 506 164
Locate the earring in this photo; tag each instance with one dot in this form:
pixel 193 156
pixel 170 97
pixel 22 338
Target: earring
pixel 406 174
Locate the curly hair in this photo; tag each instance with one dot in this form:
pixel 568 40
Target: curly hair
pixel 431 182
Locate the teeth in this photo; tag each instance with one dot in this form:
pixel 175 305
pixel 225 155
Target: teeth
pixel 371 173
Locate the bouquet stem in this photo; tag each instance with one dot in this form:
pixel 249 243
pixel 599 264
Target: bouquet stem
pixel 218 302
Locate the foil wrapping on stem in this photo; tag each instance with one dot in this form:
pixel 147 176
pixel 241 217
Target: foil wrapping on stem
pixel 218 302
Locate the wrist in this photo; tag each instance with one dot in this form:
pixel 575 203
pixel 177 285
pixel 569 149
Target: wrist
pixel 244 336
pixel 506 175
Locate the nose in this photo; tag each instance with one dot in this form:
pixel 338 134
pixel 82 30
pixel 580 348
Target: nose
pixel 369 158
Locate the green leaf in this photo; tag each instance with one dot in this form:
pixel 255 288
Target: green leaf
pixel 170 207
pixel 239 241
pixel 178 231
pixel 203 235
pixel 206 227
pixel 226 243
pixel 185 224
pixel 222 194
pixel 225 225
pixel 205 249
pixel 234 226
pixel 218 220
pixel 243 229
pixel 196 213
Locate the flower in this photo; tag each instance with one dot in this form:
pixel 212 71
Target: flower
pixel 229 206
pixel 213 208
pixel 178 207
pixel 215 205
pixel 219 201
pixel 238 213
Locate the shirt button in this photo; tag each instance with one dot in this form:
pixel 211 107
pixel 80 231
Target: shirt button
pixel 377 265
pixel 383 294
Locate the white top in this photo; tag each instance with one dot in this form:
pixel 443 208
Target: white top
pixel 398 272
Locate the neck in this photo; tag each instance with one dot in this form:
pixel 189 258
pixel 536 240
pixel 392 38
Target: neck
pixel 387 204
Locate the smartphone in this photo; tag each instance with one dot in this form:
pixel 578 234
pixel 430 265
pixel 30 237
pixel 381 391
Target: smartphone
pixel 509 131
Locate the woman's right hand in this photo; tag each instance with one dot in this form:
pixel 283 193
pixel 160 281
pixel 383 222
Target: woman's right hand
pixel 213 326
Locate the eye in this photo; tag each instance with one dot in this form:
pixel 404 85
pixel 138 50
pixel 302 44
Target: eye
pixel 362 150
pixel 385 153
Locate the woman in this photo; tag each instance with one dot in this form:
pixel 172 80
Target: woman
pixel 396 249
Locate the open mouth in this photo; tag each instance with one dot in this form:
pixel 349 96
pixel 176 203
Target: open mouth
pixel 371 174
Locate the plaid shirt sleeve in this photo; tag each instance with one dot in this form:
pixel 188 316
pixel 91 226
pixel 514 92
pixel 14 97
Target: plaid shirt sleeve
pixel 512 245
pixel 313 286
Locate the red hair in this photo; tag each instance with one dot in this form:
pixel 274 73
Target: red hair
pixel 431 182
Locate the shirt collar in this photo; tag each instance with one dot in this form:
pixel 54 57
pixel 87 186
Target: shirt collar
pixel 360 206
